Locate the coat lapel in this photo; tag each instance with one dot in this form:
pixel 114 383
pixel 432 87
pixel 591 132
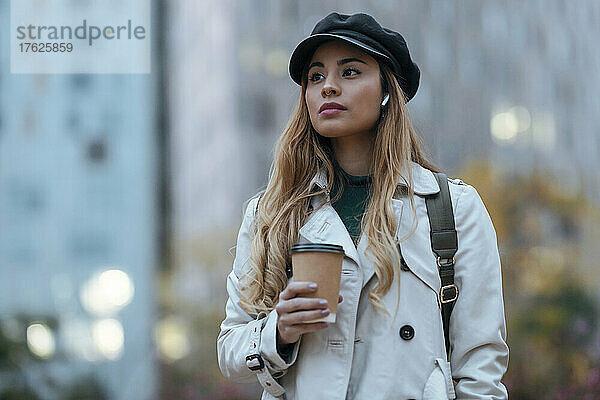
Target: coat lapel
pixel 325 226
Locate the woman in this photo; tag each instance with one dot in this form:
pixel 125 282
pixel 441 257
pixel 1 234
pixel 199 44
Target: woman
pixel 349 170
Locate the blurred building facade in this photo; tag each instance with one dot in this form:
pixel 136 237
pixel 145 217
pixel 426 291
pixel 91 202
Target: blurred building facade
pixel 499 83
pixel 79 219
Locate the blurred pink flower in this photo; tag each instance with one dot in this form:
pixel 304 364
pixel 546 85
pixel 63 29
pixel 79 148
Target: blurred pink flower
pixel 594 377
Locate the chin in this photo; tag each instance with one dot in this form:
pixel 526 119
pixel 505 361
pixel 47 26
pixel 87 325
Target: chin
pixel 332 133
pixel 340 130
pixel 333 128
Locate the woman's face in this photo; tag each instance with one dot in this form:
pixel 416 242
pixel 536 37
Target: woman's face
pixel 343 74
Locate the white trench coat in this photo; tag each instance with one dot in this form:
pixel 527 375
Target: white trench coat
pixel 363 355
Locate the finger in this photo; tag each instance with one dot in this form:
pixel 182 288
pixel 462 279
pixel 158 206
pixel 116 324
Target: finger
pixel 312 327
pixel 302 317
pixel 295 331
pixel 340 299
pixel 299 329
pixel 296 288
pixel 300 303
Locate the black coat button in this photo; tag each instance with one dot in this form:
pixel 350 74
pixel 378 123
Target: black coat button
pixel 404 265
pixel 407 332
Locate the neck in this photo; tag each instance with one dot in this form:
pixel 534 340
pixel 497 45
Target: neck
pixel 354 153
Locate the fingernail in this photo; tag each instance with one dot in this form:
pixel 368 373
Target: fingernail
pixel 323 302
pixel 312 285
pixel 325 311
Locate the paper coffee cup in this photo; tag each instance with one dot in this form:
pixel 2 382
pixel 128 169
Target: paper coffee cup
pixel 320 263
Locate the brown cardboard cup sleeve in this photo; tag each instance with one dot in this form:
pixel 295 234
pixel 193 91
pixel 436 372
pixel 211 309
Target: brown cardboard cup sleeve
pixel 320 263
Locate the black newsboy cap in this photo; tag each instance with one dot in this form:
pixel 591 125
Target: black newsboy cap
pixel 360 30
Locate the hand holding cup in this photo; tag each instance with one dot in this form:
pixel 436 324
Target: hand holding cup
pixel 293 312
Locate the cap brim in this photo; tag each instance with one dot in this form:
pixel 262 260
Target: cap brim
pixel 305 48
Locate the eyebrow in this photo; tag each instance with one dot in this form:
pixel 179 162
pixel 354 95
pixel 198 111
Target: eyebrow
pixel 340 62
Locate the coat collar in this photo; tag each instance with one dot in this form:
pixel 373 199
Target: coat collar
pixel 423 180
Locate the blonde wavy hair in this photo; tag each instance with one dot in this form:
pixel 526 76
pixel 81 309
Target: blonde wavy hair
pixel 298 156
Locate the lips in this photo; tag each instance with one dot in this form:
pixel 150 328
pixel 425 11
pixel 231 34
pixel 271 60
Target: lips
pixel 331 106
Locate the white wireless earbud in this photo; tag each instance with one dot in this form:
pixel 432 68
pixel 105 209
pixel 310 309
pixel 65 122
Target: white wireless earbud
pixel 385 100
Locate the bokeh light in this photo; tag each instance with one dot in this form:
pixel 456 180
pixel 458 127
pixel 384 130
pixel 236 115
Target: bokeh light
pixel 40 340
pixel 109 338
pixel 107 292
pixel 276 62
pixel 504 127
pixel 171 335
pixel 522 116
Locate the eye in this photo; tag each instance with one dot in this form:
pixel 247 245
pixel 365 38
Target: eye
pixel 314 77
pixel 350 72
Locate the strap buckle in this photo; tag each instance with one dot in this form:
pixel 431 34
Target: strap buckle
pixel 254 362
pixel 445 262
pixel 454 293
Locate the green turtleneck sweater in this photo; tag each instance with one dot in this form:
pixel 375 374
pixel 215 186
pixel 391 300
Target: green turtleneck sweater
pixel 353 201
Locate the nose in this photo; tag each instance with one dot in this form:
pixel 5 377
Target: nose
pixel 329 89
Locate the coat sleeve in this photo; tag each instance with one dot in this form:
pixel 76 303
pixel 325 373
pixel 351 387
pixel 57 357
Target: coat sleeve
pixel 233 342
pixel 479 356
